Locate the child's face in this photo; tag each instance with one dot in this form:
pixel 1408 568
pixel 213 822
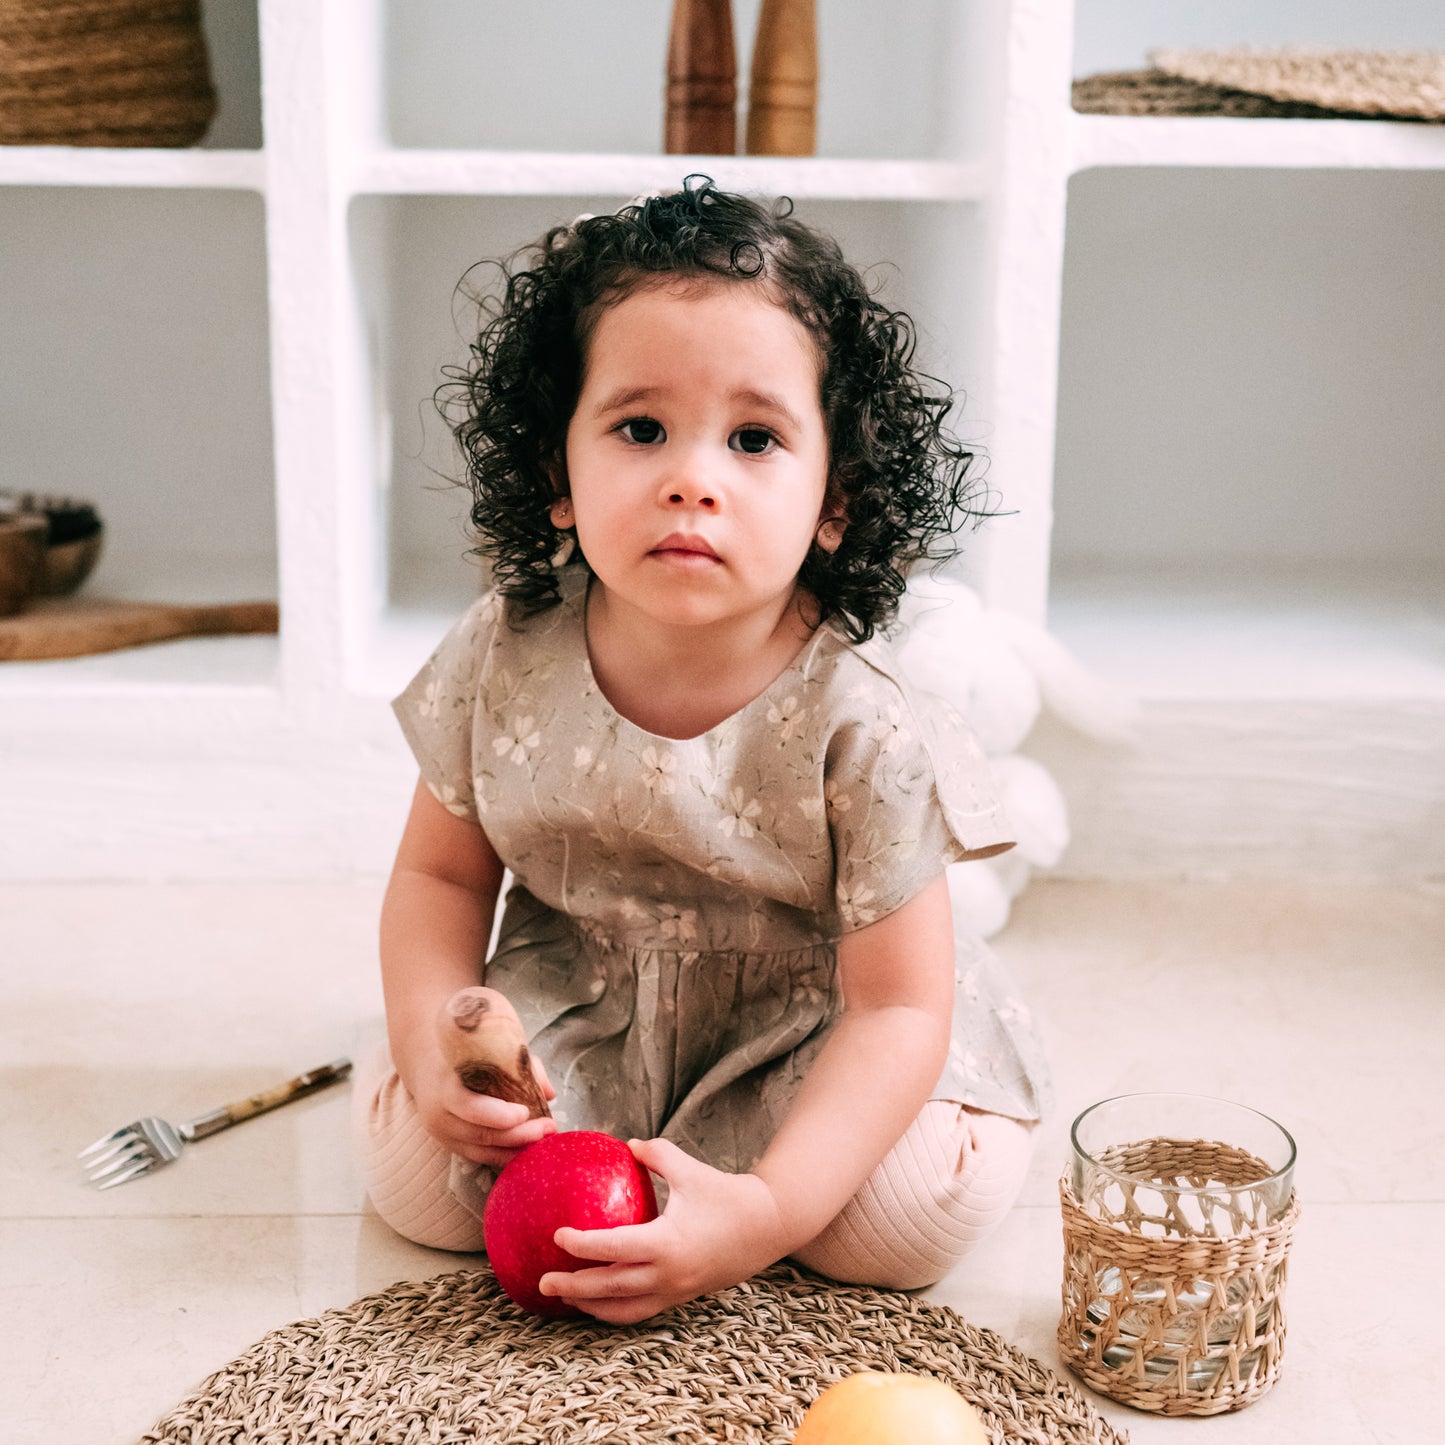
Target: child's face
pixel 697 456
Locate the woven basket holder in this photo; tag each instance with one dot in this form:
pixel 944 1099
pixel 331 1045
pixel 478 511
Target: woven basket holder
pixel 103 73
pixel 1244 1271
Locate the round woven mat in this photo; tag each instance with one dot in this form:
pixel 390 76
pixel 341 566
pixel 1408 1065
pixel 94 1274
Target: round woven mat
pixel 453 1360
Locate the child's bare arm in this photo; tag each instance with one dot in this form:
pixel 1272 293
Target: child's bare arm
pixel 436 920
pixel 865 1088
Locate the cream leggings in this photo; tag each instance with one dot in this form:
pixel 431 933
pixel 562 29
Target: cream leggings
pixel 948 1181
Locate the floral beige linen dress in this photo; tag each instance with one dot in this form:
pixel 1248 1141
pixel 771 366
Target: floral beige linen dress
pixel 671 939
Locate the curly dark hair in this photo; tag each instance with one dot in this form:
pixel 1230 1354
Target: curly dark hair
pixel 897 475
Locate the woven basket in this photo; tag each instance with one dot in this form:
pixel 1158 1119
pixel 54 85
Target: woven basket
pixel 1168 1313
pixel 103 73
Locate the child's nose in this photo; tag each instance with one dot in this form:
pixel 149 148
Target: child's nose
pixel 689 484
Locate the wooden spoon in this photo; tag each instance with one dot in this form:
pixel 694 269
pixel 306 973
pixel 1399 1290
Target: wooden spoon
pixel 484 1043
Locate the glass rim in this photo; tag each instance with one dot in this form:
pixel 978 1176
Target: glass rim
pixel 1081 1153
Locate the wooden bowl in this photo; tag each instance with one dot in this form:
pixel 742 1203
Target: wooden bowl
pixel 68 564
pixel 22 559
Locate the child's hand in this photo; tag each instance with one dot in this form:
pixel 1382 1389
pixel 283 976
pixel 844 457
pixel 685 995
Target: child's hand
pixel 475 1055
pixel 717 1230
pixel 479 1127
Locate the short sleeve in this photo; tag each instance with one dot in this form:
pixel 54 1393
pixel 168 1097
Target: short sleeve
pixel 437 708
pixel 908 792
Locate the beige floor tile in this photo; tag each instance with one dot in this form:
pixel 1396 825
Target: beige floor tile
pixel 1320 1006
pixel 109 1324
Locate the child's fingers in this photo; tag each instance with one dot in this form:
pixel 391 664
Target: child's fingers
pixel 665 1159
pixel 482 1111
pixel 623 1244
pixel 613 1282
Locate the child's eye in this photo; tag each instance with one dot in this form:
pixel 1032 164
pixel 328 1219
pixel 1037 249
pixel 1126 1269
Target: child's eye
pixel 642 429
pixel 752 439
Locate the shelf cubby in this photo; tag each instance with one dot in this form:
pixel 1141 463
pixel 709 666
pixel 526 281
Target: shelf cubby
pixel 1248 416
pixel 584 82
pixel 136 323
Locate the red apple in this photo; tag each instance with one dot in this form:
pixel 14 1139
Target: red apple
pixel 578 1178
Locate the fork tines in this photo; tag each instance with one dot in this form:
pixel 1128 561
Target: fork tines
pixel 118 1157
pixel 129 1152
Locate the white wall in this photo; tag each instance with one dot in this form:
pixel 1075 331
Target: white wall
pixel 1115 34
pixel 1251 367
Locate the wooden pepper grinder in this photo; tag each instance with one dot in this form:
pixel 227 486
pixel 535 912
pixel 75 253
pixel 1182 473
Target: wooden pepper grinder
pixel 783 90
pixel 702 80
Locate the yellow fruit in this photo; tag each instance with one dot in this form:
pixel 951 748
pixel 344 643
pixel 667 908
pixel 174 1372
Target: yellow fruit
pixel 872 1408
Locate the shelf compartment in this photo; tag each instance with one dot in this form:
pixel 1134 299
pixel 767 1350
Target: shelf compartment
pixel 1249 369
pixel 594 77
pixel 140 316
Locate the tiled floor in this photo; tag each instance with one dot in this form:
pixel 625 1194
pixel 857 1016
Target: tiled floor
pixel 1322 1005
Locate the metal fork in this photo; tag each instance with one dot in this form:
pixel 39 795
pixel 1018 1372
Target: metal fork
pixel 149 1143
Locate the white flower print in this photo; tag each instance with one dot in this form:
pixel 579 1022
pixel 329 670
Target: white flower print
pixel 854 903
pixel 582 758
pixel 657 770
pixel 890 731
pixel 787 716
pixel 968 982
pixel 739 816
pixel 835 799
pixel 1012 1011
pixel 963 1059
pixel 430 705
pixel 631 909
pixel 678 924
pixel 450 799
pixel 520 741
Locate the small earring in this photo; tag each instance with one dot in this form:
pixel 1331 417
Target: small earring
pixel 561 512
pixel 830 535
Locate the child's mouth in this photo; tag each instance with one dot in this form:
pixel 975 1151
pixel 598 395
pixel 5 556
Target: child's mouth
pixel 688 551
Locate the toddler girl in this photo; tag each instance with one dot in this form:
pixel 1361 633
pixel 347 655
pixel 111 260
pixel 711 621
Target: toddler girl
pixel 701 464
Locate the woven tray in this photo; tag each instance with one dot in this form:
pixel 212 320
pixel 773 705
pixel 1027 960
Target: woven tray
pixel 453 1360
pixel 1293 84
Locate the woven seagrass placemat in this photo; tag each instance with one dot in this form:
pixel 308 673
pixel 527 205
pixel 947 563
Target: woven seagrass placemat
pixel 1300 84
pixel 452 1360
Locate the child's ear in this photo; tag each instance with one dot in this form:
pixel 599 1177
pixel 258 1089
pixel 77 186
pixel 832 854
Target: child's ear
pixel 829 535
pixel 561 513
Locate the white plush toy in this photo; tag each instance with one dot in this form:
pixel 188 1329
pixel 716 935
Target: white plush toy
pixel 1000 672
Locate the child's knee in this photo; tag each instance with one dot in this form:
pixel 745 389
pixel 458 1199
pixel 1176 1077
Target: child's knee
pixel 407 1173
pixel 943 1189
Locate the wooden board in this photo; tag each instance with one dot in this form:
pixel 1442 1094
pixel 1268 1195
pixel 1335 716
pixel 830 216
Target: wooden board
pixel 66 628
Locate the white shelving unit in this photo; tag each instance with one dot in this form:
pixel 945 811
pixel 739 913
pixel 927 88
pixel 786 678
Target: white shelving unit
pixel 407 140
